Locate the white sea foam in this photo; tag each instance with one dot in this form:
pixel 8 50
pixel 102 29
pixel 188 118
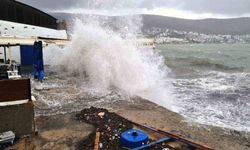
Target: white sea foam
pixel 218 99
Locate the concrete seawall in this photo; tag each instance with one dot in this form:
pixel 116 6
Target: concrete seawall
pixel 16 107
pixel 17 118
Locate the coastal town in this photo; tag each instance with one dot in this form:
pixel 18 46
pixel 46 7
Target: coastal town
pixel 168 36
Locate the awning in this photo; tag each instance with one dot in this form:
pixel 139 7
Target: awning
pixel 14 41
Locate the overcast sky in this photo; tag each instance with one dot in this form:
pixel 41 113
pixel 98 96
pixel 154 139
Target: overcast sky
pixel 193 9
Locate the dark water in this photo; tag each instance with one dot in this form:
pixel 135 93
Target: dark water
pixel 211 82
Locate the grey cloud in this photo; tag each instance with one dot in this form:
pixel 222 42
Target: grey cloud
pixel 50 4
pixel 224 7
pixel 237 7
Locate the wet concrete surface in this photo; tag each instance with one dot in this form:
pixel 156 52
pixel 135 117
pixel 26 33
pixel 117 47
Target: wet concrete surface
pixel 60 132
pixel 65 132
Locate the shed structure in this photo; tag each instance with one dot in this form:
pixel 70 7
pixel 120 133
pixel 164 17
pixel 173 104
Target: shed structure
pixel 14 11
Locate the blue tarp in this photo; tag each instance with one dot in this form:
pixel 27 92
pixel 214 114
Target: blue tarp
pixel 38 61
pixel 26 55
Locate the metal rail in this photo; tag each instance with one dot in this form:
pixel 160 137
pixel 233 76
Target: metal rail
pixel 15 41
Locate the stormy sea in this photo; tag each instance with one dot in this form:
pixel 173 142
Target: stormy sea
pixel 211 82
pixel 206 83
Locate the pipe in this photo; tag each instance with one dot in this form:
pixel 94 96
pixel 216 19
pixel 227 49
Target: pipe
pixel 152 143
pixel 10 57
pixel 5 59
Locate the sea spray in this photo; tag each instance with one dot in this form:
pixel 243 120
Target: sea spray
pixel 106 60
pixel 194 90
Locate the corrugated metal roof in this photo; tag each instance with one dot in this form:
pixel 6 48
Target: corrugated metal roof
pixel 11 10
pixel 23 30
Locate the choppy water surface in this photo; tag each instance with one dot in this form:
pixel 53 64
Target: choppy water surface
pixel 212 83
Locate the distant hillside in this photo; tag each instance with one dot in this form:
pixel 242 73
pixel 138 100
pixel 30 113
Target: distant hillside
pixel 235 26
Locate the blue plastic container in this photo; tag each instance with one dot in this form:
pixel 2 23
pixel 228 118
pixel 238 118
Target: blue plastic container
pixel 133 138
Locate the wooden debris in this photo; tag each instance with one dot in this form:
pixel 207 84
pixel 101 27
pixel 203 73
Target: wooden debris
pixel 97 139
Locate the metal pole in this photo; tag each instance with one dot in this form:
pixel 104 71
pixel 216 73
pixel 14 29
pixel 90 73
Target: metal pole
pixel 10 57
pixel 5 59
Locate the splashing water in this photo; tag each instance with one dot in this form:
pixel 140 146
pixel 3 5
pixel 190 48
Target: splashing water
pixel 105 60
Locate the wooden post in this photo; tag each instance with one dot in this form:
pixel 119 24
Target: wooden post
pixel 97 139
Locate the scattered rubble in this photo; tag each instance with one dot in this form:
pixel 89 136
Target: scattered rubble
pixel 109 125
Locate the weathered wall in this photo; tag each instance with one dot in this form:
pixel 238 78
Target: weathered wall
pixel 17 118
pixel 15 90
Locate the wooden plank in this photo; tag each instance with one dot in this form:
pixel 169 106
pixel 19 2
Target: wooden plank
pixel 97 139
pixel 13 41
pixel 14 90
pixel 4 104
